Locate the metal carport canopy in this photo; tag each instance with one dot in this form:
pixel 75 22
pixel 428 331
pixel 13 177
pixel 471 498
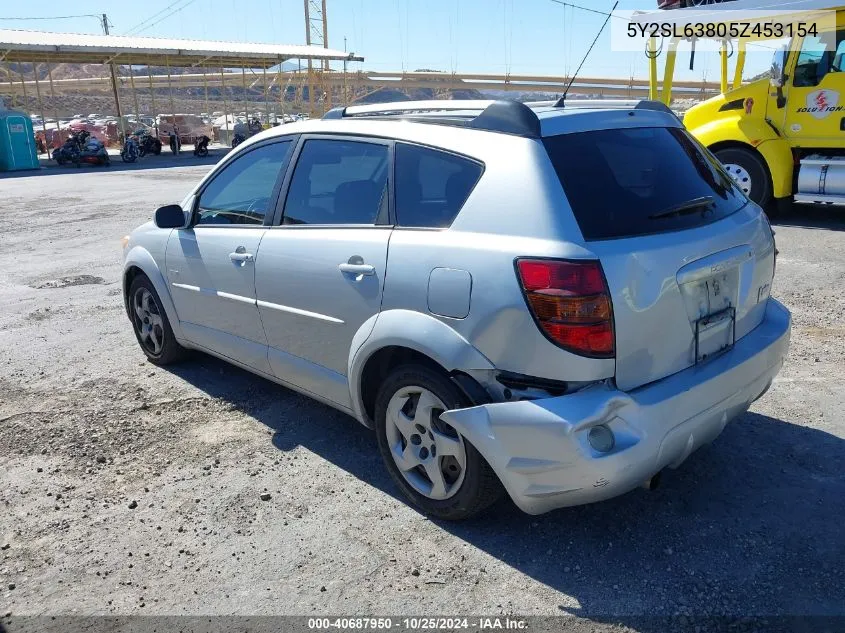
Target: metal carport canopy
pixel 77 48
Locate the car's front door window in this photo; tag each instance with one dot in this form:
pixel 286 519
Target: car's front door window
pixel 241 193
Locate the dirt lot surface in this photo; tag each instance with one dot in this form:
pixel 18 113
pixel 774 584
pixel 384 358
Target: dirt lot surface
pixel 127 489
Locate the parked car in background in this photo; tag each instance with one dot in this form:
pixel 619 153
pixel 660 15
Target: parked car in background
pixel 503 316
pixel 190 127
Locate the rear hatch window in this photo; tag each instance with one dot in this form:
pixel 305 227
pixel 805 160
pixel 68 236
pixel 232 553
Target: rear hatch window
pixel 640 181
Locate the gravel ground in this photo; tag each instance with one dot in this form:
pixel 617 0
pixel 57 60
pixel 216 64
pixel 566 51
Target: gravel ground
pixel 201 489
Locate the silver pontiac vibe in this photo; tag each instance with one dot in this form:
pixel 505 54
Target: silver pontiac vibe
pixel 551 301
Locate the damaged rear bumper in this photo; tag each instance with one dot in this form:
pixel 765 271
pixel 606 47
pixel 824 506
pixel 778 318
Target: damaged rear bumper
pixel 540 448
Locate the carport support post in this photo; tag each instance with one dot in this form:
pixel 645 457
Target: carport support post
pixel 113 74
pixel 153 97
pixel 11 85
pixel 40 102
pixel 116 98
pixel 246 99
pixel 205 87
pixel 53 96
pixel 23 85
pixel 170 94
pixel 266 105
pixel 282 90
pixel 225 105
pixel 134 95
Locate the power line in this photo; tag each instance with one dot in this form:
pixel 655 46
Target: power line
pixel 171 14
pixel 578 6
pixel 55 17
pixel 152 17
pixel 137 28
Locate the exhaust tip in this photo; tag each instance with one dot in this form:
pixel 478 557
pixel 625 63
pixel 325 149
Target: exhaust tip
pixel 652 482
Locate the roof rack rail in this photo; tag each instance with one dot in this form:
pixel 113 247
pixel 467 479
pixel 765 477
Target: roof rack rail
pixel 635 104
pixel 597 103
pixel 507 117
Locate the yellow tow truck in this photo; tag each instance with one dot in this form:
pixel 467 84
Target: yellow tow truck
pixel 781 138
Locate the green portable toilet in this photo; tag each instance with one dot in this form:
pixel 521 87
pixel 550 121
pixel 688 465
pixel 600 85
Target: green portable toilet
pixel 17 142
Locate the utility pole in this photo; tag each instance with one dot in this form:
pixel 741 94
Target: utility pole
pixel 345 81
pixel 105 24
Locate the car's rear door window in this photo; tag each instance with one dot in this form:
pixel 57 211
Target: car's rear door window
pixel 431 186
pixel 338 182
pixel 639 181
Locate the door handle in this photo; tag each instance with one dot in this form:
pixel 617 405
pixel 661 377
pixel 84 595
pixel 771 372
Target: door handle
pixel 357 269
pixel 241 257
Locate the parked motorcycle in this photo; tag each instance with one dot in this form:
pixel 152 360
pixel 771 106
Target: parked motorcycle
pixel 201 146
pixel 94 153
pixel 147 143
pixel 68 152
pixel 253 127
pixel 72 149
pixel 130 152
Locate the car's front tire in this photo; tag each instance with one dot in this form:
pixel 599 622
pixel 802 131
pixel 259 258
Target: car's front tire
pixel 150 323
pixel 436 468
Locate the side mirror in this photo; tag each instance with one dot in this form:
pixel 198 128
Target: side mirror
pixel 170 216
pixel 778 78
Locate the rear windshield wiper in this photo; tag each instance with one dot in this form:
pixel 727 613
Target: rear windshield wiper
pixel 690 206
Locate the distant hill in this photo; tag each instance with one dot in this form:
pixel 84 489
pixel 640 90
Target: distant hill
pixel 193 99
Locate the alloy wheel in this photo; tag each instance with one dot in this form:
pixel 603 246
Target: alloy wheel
pixel 148 321
pixel 429 453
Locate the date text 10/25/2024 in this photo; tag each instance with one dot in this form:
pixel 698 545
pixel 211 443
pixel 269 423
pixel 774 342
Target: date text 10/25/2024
pixel 418 624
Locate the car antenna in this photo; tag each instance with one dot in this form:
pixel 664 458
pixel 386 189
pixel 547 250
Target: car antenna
pixel 562 101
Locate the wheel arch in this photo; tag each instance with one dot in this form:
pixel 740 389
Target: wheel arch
pixel 777 159
pixel 397 337
pixel 139 261
pixel 746 147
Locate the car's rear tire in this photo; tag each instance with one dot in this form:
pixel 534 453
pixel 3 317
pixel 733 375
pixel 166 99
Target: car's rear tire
pixel 749 173
pixel 455 484
pixel 150 324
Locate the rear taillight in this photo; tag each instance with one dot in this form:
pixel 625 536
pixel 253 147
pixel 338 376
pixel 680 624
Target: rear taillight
pixel 570 301
pixel 774 244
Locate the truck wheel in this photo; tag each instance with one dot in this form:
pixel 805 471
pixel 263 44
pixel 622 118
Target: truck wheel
pixel 748 172
pixel 437 469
